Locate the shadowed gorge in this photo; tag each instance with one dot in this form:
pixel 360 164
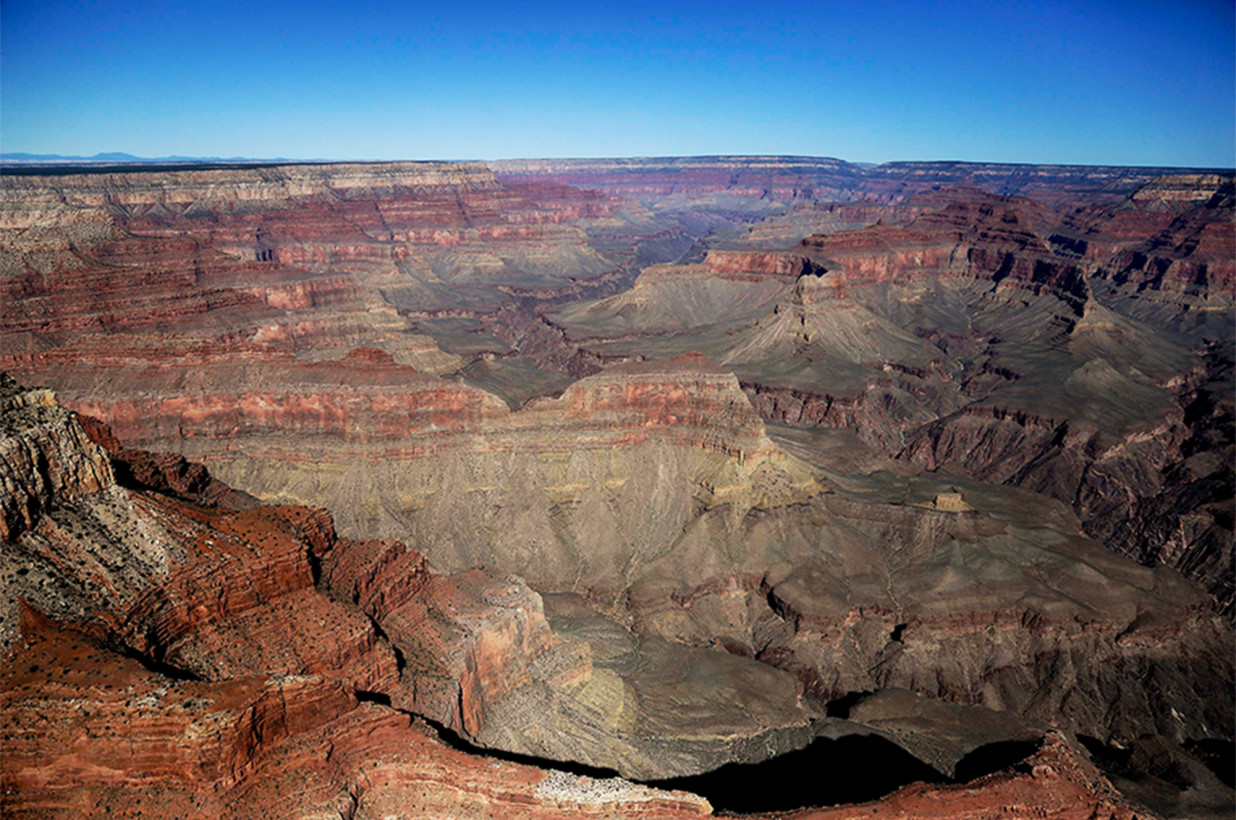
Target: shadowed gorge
pixel 860 769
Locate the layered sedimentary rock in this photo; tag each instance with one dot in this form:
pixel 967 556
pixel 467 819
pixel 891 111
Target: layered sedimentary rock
pixel 291 327
pixel 479 656
pixel 226 704
pixel 547 487
pixel 43 457
pixel 1056 782
pixel 214 593
pixel 704 182
pixel 976 335
pixel 741 549
pixel 744 552
pixel 1173 234
pixel 177 269
pixel 348 241
pixel 297 746
pixel 90 733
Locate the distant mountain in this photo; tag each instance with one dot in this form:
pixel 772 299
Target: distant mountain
pixel 21 158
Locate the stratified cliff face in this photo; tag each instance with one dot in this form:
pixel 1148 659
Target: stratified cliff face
pixel 541 492
pixel 42 458
pixel 644 579
pixel 154 642
pixel 157 659
pixel 1172 237
pixel 347 240
pixel 547 493
pixel 107 737
pixel 220 593
pixel 145 279
pixel 700 184
pixel 679 182
pixel 1075 356
pixel 188 288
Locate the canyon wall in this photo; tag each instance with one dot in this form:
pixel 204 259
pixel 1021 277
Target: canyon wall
pixel 559 505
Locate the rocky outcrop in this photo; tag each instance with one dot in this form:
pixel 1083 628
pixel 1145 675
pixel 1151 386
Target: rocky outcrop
pixel 232 694
pixel 988 334
pixel 402 453
pixel 1159 494
pixel 1057 781
pixel 991 239
pixel 44 457
pixel 542 493
pixel 168 473
pixel 479 656
pixel 212 593
pixel 684 558
pixel 89 733
pixel 1172 238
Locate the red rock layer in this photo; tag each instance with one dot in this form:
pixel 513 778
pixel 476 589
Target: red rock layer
pixel 1174 235
pixel 275 726
pixel 264 665
pixel 654 179
pixel 689 401
pixel 743 264
pixel 465 640
pixel 172 246
pixel 167 473
pixel 959 233
pixel 87 733
pixel 151 395
pixel 992 241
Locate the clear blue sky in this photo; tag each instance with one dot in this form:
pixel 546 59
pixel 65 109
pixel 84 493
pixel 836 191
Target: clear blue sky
pixel 1091 81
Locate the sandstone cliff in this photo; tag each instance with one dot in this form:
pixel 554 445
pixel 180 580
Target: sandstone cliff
pixel 224 696
pixel 1076 356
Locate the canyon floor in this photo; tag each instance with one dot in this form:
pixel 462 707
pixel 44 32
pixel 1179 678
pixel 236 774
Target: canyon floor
pixel 609 488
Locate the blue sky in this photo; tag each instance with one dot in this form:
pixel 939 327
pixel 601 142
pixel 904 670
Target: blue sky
pixel 1128 82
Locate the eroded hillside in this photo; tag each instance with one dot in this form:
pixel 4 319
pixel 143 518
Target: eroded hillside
pixel 698 462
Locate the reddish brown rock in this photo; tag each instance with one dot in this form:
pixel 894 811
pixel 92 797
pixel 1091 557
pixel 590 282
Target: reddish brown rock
pixel 88 733
pixel 988 334
pixel 226 594
pixel 278 356
pixel 1056 782
pixel 167 473
pixel 221 594
pixel 1173 236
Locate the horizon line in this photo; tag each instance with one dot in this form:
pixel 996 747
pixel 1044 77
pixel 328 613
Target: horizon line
pixel 10 160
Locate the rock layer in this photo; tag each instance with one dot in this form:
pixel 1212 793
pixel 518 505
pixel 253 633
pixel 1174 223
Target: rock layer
pixel 1075 356
pixel 43 457
pixel 679 181
pixel 216 594
pixel 253 319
